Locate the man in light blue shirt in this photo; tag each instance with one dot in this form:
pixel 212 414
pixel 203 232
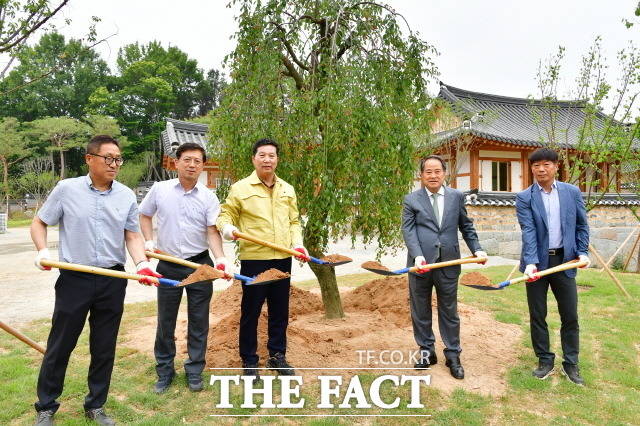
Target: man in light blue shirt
pixel 186 213
pixel 552 208
pixel 98 219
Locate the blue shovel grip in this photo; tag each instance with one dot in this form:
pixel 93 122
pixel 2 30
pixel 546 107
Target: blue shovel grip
pixel 243 278
pixel 168 282
pixel 316 260
pixel 503 284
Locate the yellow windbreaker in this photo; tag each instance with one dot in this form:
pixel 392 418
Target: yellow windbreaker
pixel 270 215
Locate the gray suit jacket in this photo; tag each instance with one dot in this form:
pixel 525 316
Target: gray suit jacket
pixel 422 235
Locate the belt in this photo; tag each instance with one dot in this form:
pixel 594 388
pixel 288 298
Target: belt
pixel 199 256
pixel 556 251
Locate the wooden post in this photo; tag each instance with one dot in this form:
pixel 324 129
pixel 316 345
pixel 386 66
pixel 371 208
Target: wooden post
pixel 513 271
pixel 624 243
pixel 633 249
pixel 606 268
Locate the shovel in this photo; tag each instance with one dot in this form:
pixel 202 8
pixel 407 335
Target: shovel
pixel 168 258
pixel 382 270
pixel 107 272
pixel 292 252
pixel 563 267
pixel 21 336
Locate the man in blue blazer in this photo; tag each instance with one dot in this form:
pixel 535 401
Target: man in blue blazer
pixel 554 228
pixel 431 218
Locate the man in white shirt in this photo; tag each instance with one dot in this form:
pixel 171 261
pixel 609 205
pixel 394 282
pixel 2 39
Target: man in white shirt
pixel 186 213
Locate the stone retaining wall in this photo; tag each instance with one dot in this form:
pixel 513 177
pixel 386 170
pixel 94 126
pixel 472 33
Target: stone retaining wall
pixel 499 231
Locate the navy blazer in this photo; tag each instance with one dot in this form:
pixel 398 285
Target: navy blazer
pixel 533 223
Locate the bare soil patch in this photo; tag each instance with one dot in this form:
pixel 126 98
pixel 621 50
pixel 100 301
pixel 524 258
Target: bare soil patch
pixel 377 319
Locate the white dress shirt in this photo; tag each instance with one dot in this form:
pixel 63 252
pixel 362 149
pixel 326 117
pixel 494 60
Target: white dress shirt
pixel 183 216
pixel 440 200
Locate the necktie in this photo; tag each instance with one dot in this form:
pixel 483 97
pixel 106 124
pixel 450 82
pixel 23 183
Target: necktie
pixel 436 209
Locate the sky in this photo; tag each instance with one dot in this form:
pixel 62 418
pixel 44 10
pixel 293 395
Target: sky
pixel 491 46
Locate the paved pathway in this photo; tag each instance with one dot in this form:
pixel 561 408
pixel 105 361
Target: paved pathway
pixel 27 292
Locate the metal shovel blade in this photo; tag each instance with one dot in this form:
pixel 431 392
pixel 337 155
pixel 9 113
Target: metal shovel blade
pixel 382 271
pixel 327 263
pixel 335 263
pixel 482 287
pixel 254 282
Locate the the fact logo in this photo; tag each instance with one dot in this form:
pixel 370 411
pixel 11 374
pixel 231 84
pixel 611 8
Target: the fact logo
pixel 332 391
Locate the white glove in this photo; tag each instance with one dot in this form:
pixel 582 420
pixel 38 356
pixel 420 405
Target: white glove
pixel 584 258
pixel 227 232
pixel 223 264
pixel 42 254
pixel 419 262
pixel 144 265
pixel 482 253
pixel 150 245
pixel 530 271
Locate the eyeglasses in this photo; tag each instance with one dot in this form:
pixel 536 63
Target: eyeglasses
pixel 109 160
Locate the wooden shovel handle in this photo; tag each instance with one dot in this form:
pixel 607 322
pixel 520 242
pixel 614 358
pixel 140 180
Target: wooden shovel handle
pixel 266 243
pixel 172 259
pixel 193 265
pixel 469 259
pixel 21 336
pixel 95 270
pixel 562 267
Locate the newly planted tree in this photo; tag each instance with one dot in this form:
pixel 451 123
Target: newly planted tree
pixel 341 85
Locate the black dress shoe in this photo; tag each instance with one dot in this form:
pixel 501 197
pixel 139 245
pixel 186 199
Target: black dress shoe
pixel 251 369
pixel 573 373
pixel 455 368
pixel 425 362
pixel 194 381
pixel 99 416
pixel 44 418
pixel 543 371
pixel 163 384
pixel 279 363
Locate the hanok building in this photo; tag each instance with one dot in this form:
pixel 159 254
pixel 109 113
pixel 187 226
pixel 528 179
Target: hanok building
pixel 486 140
pixel 175 134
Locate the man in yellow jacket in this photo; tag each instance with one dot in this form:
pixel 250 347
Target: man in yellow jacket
pixel 264 206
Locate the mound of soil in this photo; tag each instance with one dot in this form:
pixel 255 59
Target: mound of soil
pixel 370 264
pixel 377 318
pixel 476 278
pixel 271 275
pixel 203 273
pixel 335 258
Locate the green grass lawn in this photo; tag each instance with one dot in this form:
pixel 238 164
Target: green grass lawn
pixel 610 359
pixel 16 223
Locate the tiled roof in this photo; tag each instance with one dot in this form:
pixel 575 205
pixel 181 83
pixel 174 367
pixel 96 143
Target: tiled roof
pixel 518 121
pixel 178 132
pixel 509 199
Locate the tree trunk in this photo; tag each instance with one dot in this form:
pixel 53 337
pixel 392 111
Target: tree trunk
pixel 326 276
pixel 5 181
pixel 61 164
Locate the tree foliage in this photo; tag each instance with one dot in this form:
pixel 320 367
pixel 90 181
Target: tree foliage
pixel 341 85
pixel 77 72
pixel 20 19
pixel 61 134
pixel 609 130
pixel 13 149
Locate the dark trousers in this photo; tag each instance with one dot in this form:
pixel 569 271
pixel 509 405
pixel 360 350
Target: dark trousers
pixel 565 291
pixel 80 294
pixel 198 298
pixel 420 290
pixel 277 296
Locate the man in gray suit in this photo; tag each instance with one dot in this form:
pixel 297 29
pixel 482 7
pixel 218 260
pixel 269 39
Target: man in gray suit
pixel 431 217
